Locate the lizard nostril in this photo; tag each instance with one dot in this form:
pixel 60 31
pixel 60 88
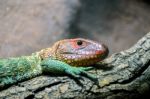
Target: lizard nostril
pixel 98 52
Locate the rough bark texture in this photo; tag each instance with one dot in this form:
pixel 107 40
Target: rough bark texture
pixel 122 75
pixel 29 25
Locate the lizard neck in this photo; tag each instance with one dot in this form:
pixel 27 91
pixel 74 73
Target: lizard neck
pixel 45 53
pixel 49 52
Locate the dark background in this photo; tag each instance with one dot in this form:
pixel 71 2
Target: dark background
pixel 27 26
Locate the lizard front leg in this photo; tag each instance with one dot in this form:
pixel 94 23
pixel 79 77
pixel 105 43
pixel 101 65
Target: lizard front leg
pixel 58 67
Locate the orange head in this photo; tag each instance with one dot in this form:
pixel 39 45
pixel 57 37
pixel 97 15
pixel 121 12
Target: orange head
pixel 77 52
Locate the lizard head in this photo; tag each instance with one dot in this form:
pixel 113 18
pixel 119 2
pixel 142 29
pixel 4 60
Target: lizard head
pixel 77 52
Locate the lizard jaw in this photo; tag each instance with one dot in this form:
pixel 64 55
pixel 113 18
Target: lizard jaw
pixel 76 52
pixel 84 58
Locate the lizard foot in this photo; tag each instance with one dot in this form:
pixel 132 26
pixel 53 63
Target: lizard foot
pixel 77 72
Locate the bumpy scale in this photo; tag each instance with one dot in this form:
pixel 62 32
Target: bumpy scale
pixel 69 56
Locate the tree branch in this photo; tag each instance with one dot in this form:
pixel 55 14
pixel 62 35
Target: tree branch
pixel 122 75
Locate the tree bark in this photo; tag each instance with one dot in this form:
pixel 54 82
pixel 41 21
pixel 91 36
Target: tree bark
pixel 123 75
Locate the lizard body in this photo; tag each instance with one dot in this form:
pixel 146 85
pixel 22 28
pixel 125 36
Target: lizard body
pixel 67 56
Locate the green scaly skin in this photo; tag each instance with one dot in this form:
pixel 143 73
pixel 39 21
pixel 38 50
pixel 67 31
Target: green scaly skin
pixel 13 70
pixel 18 69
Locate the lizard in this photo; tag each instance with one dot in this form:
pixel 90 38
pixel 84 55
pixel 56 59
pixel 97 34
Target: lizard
pixel 69 56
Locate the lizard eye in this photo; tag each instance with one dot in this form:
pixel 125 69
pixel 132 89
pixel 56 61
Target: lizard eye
pixel 79 42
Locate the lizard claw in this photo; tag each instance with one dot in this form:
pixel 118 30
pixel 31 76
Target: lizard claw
pixel 72 72
pixel 86 68
pixel 76 72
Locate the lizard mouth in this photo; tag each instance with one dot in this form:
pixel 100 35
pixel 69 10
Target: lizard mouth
pixel 76 52
pixel 83 58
